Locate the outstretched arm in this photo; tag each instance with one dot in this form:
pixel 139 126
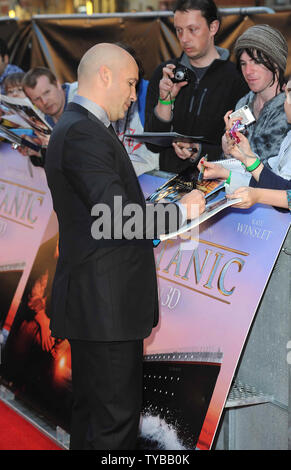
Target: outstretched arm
pixel 250 196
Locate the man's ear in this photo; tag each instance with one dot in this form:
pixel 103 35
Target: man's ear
pixel 106 75
pixel 214 27
pixel 6 59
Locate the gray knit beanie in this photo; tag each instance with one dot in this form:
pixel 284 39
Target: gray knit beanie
pixel 268 40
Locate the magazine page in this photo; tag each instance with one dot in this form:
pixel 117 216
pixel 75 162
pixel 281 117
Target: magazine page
pixel 177 186
pixel 210 187
pixel 165 139
pixel 172 190
pixel 11 120
pixel 16 139
pixel 212 208
pixel 23 108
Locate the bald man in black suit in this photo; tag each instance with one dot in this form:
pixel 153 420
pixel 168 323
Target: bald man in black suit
pixel 104 297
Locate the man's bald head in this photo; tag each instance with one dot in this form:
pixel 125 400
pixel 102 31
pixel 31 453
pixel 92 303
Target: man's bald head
pixel 103 54
pixel 107 75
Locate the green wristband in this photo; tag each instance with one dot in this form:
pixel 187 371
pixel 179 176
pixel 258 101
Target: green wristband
pixel 228 179
pixel 255 165
pixel 166 102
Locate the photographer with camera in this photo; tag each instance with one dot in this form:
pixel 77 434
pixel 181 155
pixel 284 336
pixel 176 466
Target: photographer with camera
pixel 189 94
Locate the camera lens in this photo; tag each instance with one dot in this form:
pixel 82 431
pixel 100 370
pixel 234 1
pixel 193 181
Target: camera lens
pixel 179 75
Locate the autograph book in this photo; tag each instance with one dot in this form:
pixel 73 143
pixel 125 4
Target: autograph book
pixel 175 188
pixel 165 139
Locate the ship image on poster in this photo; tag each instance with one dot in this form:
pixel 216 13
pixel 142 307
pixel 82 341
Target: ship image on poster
pixel 178 387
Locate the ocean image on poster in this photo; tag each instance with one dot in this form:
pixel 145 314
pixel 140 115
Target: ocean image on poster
pixel 177 391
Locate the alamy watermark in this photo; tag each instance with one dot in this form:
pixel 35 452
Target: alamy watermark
pixel 132 222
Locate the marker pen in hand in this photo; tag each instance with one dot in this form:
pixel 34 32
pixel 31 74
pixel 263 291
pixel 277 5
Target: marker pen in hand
pixel 201 173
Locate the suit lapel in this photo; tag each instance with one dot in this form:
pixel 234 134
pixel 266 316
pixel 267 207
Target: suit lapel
pixel 129 163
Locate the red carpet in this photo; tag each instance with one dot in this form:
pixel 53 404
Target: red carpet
pixel 16 433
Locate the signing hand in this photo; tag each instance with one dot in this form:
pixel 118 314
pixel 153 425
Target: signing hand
pixel 213 170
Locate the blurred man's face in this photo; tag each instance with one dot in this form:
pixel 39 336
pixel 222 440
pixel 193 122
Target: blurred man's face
pixel 123 89
pixel 48 97
pixel 194 34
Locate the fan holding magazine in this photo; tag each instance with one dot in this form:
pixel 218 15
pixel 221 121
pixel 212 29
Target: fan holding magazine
pixel 46 100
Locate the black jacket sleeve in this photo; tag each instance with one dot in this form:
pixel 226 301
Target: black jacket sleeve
pixel 269 180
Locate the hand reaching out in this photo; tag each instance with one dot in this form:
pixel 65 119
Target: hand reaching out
pixel 248 196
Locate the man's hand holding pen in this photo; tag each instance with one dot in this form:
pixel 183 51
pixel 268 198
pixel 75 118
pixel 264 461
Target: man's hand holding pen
pixel 185 150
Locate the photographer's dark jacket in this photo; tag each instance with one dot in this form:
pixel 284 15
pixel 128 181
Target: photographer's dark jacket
pixel 199 107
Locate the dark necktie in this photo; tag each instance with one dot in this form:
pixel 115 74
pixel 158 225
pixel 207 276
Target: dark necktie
pixel 111 130
pixel 113 133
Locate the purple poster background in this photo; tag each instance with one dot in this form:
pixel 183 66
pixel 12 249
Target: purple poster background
pixel 209 294
pixel 209 289
pixel 25 209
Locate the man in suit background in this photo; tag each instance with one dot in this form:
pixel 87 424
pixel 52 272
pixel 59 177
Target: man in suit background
pixel 104 297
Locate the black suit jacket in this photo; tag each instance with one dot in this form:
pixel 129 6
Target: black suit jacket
pixel 103 290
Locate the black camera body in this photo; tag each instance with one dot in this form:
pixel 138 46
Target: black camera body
pixel 181 74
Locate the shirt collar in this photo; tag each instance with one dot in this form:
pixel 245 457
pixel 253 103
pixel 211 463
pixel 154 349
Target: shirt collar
pixel 93 108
